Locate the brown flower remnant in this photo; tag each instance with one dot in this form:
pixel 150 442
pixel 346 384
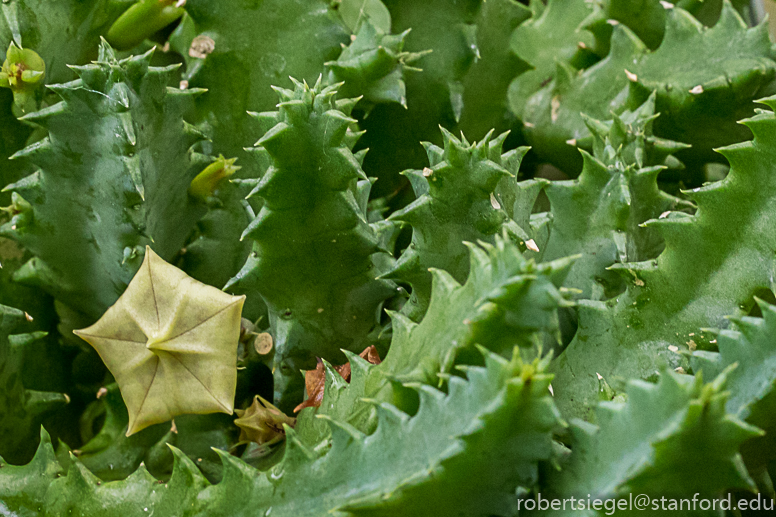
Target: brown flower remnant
pixel 315 380
pixel 262 423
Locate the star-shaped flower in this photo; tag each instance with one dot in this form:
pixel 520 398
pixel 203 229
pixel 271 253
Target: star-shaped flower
pixel 171 344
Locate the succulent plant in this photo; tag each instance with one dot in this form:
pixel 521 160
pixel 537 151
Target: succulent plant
pixel 227 291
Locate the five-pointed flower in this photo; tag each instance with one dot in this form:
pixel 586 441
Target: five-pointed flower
pixel 171 344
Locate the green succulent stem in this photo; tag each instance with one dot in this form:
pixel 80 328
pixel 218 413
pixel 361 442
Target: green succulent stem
pixel 312 259
pixel 668 309
pixel 125 189
pixel 457 202
pixel 686 444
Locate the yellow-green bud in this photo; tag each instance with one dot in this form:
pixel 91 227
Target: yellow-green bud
pixel 23 72
pixel 206 182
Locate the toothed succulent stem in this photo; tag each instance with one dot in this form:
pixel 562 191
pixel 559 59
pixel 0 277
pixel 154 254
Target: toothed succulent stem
pixel 677 425
pixel 312 254
pixel 730 66
pixel 126 187
pixel 457 202
pixel 601 214
pixel 662 313
pixel 373 67
pixel 508 300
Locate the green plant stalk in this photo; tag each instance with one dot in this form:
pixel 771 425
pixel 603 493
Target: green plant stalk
pixel 142 20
